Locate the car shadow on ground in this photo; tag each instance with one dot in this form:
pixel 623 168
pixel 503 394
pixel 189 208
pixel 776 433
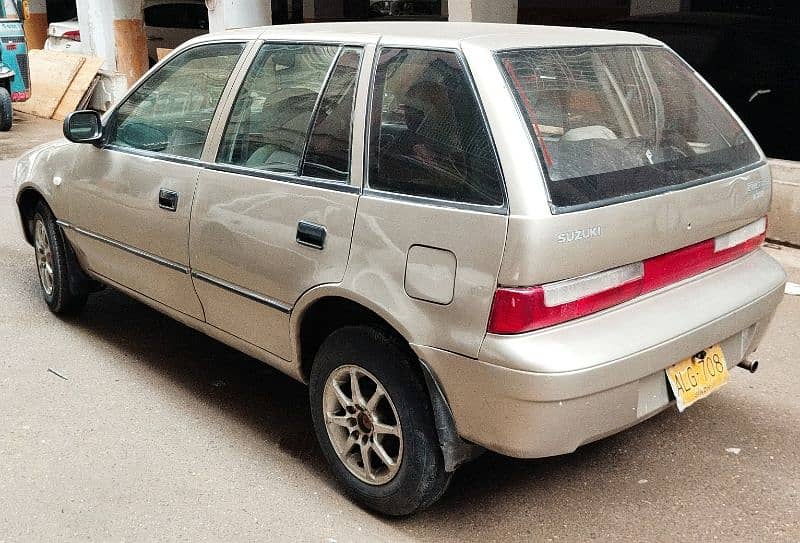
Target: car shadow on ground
pixel 220 376
pixel 492 489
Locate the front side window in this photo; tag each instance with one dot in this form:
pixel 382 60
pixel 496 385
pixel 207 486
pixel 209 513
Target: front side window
pixel 428 137
pixel 268 126
pixel 172 111
pixel 620 122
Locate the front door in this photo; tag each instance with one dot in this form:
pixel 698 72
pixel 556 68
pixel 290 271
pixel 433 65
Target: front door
pixel 274 216
pixel 130 200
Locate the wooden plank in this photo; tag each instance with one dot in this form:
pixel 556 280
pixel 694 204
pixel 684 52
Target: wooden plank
pixel 51 74
pixel 88 96
pixel 161 52
pixel 77 89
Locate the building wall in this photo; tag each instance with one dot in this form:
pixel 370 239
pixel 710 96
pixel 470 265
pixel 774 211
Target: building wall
pixel 497 11
pixel 647 7
pixel 572 13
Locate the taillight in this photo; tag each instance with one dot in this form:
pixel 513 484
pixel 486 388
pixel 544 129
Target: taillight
pixel 517 310
pixel 74 35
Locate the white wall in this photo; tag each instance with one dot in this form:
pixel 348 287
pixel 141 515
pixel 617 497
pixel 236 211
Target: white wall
pixel 228 14
pixel 485 11
pixel 95 19
pixel 37 6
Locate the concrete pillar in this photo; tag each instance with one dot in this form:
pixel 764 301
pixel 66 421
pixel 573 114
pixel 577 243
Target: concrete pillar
pixel 36 23
pixel 228 14
pixel 95 20
pixel 496 11
pixel 647 7
pixel 130 39
pixel 326 10
pixel 114 31
pixel 309 12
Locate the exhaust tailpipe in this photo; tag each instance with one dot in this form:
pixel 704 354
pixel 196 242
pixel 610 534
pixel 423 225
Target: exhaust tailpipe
pixel 749 365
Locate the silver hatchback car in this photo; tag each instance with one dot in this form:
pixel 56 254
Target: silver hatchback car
pixel 461 236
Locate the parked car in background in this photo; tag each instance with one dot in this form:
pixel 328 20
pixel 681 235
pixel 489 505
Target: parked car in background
pixel 750 60
pixel 168 23
pixel 467 236
pixel 15 82
pixel 65 36
pixel 406 9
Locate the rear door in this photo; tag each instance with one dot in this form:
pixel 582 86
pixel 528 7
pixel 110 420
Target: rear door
pixel 273 217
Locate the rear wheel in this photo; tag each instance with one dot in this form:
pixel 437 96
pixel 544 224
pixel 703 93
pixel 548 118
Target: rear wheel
pixel 374 421
pixel 64 286
pixel 6 110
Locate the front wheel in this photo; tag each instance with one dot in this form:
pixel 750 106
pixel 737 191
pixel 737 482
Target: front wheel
pixel 374 422
pixel 64 287
pixel 6 110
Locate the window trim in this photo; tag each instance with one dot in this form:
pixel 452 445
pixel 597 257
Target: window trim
pixel 243 56
pixel 230 103
pixel 545 176
pixel 315 111
pixel 222 113
pixel 501 209
pixel 282 177
pixel 318 104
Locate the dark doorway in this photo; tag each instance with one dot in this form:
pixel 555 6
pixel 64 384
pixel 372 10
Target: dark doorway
pixel 571 13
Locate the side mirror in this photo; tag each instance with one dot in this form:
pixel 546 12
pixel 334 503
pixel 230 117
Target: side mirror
pixel 83 127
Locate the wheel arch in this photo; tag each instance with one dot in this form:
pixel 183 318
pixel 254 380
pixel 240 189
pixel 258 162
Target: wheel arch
pixel 311 323
pixel 27 200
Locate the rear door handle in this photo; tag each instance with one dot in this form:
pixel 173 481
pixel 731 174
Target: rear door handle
pixel 311 235
pixel 168 199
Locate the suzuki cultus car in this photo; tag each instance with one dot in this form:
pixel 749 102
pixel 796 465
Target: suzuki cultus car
pixel 461 236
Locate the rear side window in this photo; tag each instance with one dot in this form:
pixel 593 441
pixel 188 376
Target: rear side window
pixel 620 122
pixel 269 123
pixel 328 150
pixel 428 137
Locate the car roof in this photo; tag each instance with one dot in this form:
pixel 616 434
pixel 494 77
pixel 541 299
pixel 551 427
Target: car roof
pixel 492 36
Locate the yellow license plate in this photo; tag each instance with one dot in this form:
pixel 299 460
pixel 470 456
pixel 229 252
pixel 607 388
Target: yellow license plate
pixel 698 376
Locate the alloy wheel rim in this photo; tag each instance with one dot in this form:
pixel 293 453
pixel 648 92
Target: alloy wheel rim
pixel 44 257
pixel 362 424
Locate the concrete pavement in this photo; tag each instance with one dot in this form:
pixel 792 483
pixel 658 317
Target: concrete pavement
pixel 156 432
pixel 28 132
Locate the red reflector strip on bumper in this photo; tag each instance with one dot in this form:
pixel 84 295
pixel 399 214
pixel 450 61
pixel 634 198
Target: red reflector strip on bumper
pixel 518 310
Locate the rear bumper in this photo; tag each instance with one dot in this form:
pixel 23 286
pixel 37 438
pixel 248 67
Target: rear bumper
pixel 548 392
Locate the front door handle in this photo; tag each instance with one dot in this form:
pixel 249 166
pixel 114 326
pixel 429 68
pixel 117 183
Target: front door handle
pixel 168 199
pixel 311 235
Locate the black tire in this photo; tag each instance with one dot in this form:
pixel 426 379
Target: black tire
pixel 6 110
pixel 70 286
pixel 421 478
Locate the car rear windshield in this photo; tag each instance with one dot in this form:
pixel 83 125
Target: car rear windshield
pixel 616 123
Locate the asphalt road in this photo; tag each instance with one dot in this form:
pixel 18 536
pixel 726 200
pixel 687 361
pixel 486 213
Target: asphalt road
pixel 153 431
